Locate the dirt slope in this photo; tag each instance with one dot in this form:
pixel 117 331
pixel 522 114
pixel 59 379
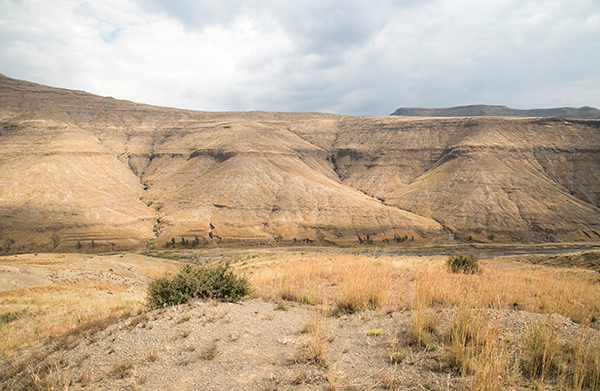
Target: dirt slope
pixel 80 172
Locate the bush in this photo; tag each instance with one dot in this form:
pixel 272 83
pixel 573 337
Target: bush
pixel 197 282
pixel 463 263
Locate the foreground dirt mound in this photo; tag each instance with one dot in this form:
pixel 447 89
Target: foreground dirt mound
pixel 254 345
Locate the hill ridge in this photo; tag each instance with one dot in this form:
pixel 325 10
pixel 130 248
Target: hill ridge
pixel 585 112
pixel 80 172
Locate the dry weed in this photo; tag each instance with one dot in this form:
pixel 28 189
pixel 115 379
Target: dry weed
pixel 345 280
pixel 152 356
pixel 123 368
pixel 210 351
pixel 540 350
pixel 476 348
pixel 316 349
pixel 573 293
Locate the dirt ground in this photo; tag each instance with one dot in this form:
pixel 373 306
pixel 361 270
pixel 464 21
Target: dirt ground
pixel 250 345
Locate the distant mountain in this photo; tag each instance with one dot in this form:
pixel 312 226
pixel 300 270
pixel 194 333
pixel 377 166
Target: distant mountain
pixel 585 112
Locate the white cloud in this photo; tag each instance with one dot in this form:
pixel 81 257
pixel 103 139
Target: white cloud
pixel 351 57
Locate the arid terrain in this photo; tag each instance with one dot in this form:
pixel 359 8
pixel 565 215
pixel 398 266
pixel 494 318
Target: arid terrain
pixel 83 173
pixel 342 226
pixel 74 322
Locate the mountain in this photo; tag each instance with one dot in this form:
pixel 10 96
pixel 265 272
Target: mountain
pixel 585 112
pixel 79 172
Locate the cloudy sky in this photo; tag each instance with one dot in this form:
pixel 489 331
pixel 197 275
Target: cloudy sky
pixel 363 57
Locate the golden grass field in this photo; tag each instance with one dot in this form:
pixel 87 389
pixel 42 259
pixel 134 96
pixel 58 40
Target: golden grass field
pixel 81 289
pixel 459 315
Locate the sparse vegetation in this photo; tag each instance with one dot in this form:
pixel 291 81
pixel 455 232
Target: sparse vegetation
pixel 457 322
pixel 198 282
pixel 541 350
pixel 281 306
pixel 11 316
pixel 315 351
pixel 210 351
pixel 375 332
pixel 396 357
pixel 123 368
pixel 152 356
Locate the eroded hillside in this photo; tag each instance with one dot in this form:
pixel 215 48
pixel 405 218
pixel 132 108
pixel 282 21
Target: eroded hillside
pixel 82 172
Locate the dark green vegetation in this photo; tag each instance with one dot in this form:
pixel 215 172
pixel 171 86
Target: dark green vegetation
pixel 198 282
pixel 463 263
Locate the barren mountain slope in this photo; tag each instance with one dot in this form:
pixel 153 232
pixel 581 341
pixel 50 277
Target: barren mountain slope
pixel 509 179
pixel 85 172
pixel 221 177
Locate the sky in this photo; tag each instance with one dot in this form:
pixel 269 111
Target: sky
pixel 358 57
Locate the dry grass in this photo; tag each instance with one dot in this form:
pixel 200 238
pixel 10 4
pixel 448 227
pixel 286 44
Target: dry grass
pixel 35 313
pixel 579 368
pixel 541 348
pixel 316 349
pixel 123 368
pixel 210 351
pixel 570 292
pixel 472 341
pixel 344 281
pixel 55 309
pixel 475 346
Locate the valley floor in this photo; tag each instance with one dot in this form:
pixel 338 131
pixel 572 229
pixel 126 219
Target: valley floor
pixel 315 321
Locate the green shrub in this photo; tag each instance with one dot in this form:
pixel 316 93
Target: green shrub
pixel 463 263
pixel 198 282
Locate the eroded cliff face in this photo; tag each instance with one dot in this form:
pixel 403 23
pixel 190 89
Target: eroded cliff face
pixel 81 172
pixel 503 179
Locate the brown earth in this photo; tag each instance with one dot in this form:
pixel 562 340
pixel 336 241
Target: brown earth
pixel 254 346
pixel 250 345
pixel 85 173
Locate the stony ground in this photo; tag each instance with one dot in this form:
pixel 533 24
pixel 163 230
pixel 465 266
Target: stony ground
pixel 252 345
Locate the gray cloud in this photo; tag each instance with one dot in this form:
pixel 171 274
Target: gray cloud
pixel 350 57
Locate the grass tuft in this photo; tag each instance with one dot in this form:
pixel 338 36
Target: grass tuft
pixel 316 350
pixel 123 368
pixel 540 351
pixel 463 263
pixel 210 351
